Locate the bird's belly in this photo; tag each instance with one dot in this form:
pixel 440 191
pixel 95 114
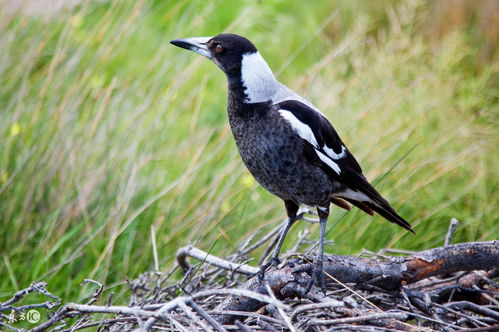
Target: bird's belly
pixel 278 164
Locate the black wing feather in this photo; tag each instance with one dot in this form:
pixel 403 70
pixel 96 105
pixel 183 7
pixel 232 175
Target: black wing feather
pixel 351 172
pixel 323 131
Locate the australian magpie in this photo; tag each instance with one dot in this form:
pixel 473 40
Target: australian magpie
pixel 286 143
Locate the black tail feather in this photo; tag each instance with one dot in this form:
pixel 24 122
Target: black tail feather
pixel 378 204
pixel 389 214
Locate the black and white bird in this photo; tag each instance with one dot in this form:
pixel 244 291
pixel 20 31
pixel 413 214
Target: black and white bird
pixel 286 143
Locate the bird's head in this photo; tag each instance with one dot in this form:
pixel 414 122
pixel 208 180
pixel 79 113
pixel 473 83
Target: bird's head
pixel 239 59
pixel 226 50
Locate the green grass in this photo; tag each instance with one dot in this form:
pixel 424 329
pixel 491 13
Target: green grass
pixel 106 130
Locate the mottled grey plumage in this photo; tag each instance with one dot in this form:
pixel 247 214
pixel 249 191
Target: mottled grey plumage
pixel 286 142
pixel 273 153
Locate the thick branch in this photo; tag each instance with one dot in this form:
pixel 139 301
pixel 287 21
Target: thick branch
pixel 388 273
pixel 393 272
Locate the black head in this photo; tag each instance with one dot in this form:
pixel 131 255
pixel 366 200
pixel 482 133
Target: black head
pixel 226 49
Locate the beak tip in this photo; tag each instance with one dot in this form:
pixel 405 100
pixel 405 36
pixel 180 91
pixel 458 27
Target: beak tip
pixel 197 45
pixel 175 42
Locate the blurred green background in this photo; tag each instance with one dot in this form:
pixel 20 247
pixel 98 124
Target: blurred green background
pixel 106 129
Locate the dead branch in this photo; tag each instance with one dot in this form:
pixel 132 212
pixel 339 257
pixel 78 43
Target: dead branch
pixel 419 292
pixel 155 312
pixel 450 232
pixel 390 273
pixel 191 251
pixel 372 317
pixel 387 273
pixel 38 287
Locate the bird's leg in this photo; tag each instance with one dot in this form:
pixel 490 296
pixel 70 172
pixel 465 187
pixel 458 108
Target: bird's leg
pixel 291 210
pixel 317 274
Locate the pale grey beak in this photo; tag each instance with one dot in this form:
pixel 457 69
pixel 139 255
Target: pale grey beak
pixel 196 44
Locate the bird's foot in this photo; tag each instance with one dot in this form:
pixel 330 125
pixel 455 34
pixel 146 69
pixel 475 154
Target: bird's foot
pixel 420 300
pixel 317 276
pixel 274 262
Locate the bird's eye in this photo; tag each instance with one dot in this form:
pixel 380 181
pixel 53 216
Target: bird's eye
pixel 219 48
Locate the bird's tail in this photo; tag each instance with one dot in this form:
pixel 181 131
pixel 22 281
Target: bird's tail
pixel 363 195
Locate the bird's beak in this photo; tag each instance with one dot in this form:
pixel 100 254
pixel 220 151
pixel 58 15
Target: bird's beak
pixel 196 44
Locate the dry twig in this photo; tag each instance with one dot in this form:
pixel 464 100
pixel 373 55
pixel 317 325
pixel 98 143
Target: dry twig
pixel 374 293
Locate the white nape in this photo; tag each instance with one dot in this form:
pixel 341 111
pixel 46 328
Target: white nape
pixel 261 84
pixel 257 78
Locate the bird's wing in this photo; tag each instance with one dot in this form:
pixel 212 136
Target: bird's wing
pixel 319 136
pixel 324 148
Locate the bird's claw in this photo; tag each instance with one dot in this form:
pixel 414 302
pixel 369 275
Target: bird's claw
pixel 274 262
pixel 317 276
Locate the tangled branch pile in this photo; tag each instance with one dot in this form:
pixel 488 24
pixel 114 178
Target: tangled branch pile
pixel 454 287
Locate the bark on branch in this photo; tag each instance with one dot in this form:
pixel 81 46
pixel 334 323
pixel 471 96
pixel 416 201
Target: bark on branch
pixel 392 272
pixel 389 273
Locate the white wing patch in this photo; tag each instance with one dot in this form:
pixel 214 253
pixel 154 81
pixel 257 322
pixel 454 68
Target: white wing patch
pixel 301 129
pixel 330 152
pixel 355 195
pixel 306 133
pixel 328 161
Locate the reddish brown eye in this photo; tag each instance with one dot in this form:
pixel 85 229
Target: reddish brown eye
pixel 219 48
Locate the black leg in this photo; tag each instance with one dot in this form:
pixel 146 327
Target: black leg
pixel 317 274
pixel 291 210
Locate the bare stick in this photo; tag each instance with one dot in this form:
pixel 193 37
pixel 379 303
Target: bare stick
pixel 9 326
pixel 450 232
pixel 192 317
pixel 241 293
pixel 379 316
pixel 262 240
pixel 40 288
pixel 474 308
pixel 205 315
pixel 242 327
pixel 376 279
pixel 98 291
pixel 190 251
pixel 329 303
pixel 285 317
